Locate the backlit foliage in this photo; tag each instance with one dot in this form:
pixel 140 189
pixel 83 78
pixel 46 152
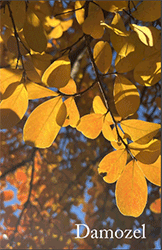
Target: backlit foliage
pixel 92 68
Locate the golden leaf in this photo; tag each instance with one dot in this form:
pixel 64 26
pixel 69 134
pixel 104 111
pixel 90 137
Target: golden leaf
pixel 129 61
pixel 91 25
pixel 34 32
pixel 58 73
pixel 126 96
pixel 61 115
pixel 36 91
pixel 103 56
pixel 70 88
pixel 147 35
pixel 98 106
pixel 73 115
pixel 91 125
pixel 148 72
pixel 148 11
pixel 8 76
pixel 131 191
pixel 140 131
pixel 112 6
pixel 113 164
pixel 41 127
pixel 155 206
pixel 14 107
pixel 152 171
pixel 79 13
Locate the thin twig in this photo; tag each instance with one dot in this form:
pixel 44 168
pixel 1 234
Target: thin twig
pixel 13 168
pixel 17 39
pixel 67 12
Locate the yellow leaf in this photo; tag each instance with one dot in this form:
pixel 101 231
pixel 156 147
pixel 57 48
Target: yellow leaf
pixel 58 73
pixel 148 11
pixel 103 56
pixel 155 206
pixel 34 32
pixel 112 6
pixel 152 171
pixel 91 25
pixel 72 113
pixel 126 63
pixel 91 125
pixel 146 153
pixel 61 115
pixel 7 77
pixel 14 107
pixel 70 88
pixel 140 131
pixel 113 164
pixel 122 44
pixel 66 24
pixel 126 96
pixel 131 191
pixel 56 32
pixel 98 106
pixel 148 72
pixel 31 72
pixel 79 13
pixel 117 26
pixel 60 28
pixel 36 91
pixel 107 131
pixel 41 127
pixel 147 35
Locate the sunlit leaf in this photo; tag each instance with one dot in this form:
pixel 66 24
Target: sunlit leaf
pixel 107 131
pixel 148 71
pixel 58 73
pixel 98 106
pixel 113 6
pixel 70 88
pixel 34 32
pixel 140 131
pixel 129 61
pixel 113 164
pixel 103 56
pixel 91 125
pixel 73 115
pixel 148 11
pixel 147 35
pixel 126 96
pixel 79 13
pixel 14 107
pixel 152 171
pixel 61 115
pixel 122 44
pixel 146 153
pixel 7 77
pixel 41 127
pixel 36 91
pixel 91 25
pixel 131 191
pixel 155 206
